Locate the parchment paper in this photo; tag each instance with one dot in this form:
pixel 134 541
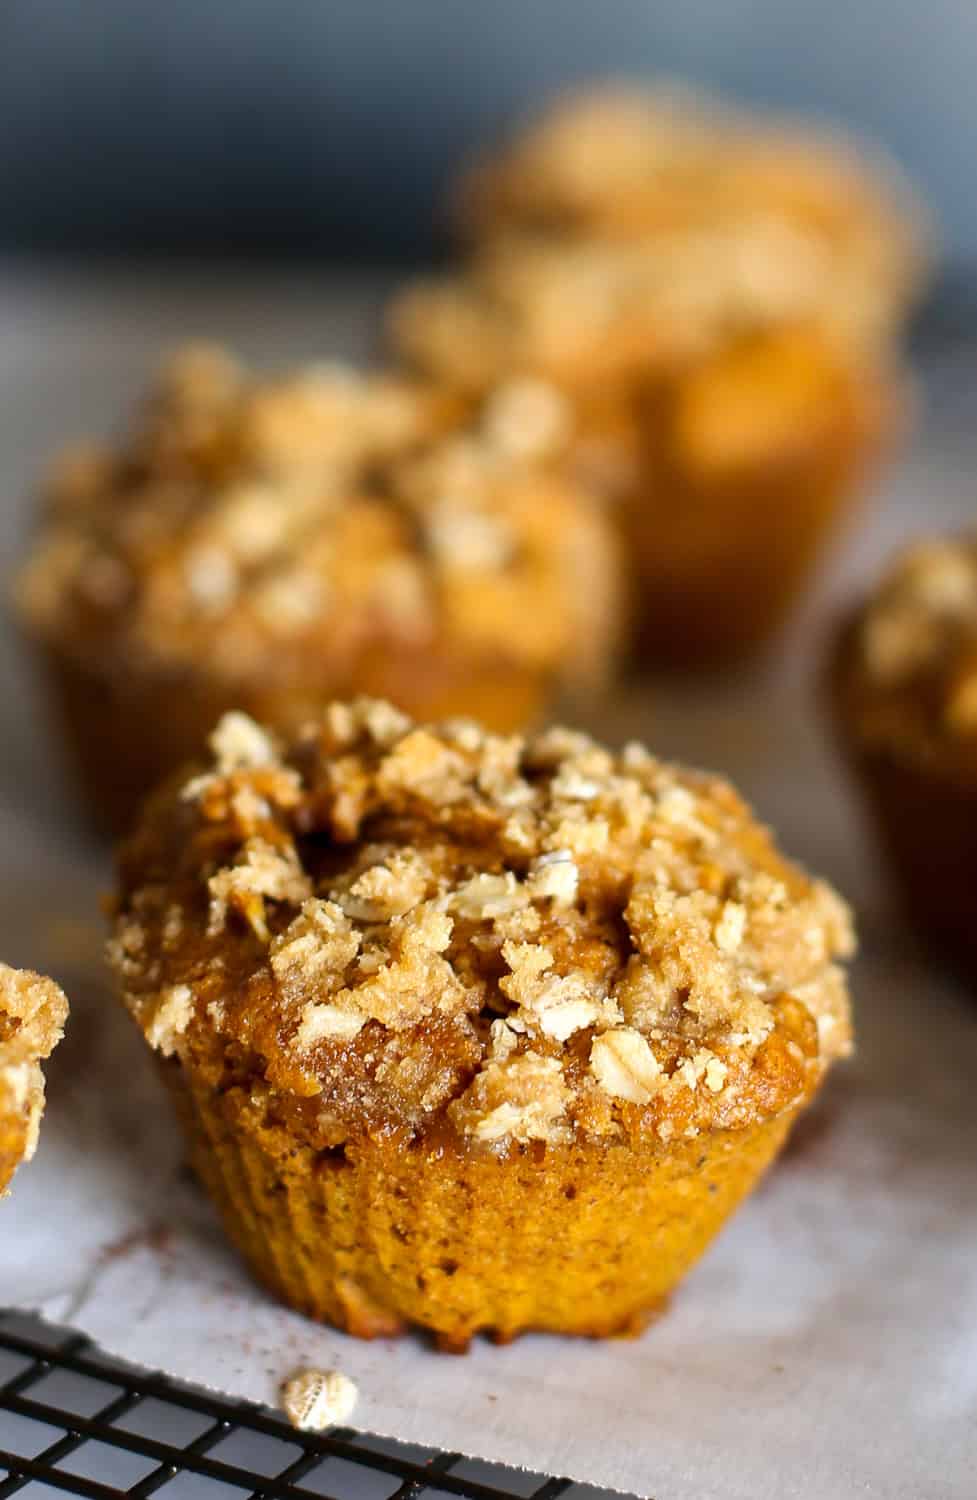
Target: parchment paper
pixel 827 1345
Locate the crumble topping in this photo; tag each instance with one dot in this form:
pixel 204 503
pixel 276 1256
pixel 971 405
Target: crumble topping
pixel 336 513
pixel 33 1011
pixel 916 643
pixel 527 418
pixel 624 162
pixel 522 1098
pixel 629 230
pixel 260 871
pixel 239 745
pixel 170 1018
pixel 585 311
pixel 525 939
pixel 625 1066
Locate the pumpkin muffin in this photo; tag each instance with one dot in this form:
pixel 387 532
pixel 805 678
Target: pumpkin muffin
pixel 271 544
pixel 903 686
pixel 32 1015
pixel 720 294
pixel 468 1032
pixel 723 401
pixel 660 163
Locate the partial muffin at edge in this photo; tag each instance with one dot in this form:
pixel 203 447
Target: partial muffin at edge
pixel 902 688
pixel 33 1011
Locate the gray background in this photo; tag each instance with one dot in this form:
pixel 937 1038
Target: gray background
pixel 326 126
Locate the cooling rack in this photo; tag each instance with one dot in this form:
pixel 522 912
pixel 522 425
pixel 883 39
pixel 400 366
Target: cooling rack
pixel 74 1422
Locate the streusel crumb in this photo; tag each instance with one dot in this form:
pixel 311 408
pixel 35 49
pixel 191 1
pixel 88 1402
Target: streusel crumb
pixel 520 940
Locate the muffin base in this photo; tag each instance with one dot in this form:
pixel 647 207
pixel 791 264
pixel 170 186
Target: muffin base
pixel 720 600
pixel 377 1235
pixel 922 811
pixel 720 556
pixel 124 733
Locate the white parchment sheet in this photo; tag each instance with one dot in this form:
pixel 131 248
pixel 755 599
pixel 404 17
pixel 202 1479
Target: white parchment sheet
pixel 826 1347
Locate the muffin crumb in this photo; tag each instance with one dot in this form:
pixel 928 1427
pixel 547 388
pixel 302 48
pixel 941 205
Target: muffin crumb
pixel 316 1399
pixel 171 1019
pixel 625 1066
pixel 521 1099
pixel 729 929
pixel 240 745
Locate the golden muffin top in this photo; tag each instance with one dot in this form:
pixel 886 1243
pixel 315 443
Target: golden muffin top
pixel 507 940
pixel 582 312
pixel 33 1011
pixel 630 228
pixel 625 162
pixel 911 670
pixel 250 524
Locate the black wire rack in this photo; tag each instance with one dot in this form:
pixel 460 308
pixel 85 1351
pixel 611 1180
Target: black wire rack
pixel 75 1422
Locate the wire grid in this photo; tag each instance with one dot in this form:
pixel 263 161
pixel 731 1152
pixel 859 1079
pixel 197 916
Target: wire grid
pixel 82 1424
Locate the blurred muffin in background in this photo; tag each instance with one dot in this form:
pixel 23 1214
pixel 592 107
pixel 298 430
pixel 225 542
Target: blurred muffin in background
pixel 903 695
pixel 625 163
pixel 271 544
pixel 720 300
pixel 33 1011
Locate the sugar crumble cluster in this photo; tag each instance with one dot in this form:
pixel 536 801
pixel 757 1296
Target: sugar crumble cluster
pixel 523 937
pixel 243 515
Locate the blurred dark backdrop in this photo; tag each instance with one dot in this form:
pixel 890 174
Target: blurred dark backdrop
pixel 326 127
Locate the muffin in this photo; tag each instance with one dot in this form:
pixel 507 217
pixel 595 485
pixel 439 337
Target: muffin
pixel 467 1032
pixel 719 388
pixel 903 692
pixel 660 163
pixel 32 1015
pixel 752 461
pixel 720 294
pixel 271 544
